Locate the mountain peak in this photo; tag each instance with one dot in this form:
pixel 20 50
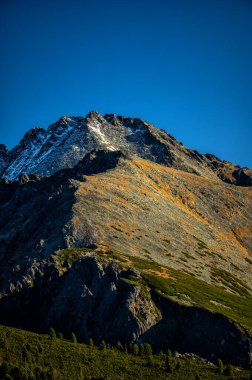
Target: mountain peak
pixel 67 141
pixel 33 134
pixel 93 115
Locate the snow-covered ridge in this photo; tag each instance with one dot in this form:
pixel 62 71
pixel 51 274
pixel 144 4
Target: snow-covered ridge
pixel 40 151
pixel 36 151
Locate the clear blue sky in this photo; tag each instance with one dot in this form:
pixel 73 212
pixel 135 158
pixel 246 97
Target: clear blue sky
pixel 183 65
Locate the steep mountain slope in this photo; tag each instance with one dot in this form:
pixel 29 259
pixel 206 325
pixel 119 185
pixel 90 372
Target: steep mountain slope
pixel 67 141
pixel 141 208
pixel 117 202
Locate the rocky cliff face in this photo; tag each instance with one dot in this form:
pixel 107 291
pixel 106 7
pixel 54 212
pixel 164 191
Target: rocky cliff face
pixel 68 140
pixel 102 300
pixel 101 292
pixel 95 300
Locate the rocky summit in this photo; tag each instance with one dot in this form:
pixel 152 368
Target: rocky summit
pixel 67 141
pixel 112 229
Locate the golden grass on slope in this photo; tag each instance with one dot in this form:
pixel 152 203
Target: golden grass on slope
pixel 153 210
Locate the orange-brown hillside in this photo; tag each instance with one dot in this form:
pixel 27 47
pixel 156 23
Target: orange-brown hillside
pixel 178 219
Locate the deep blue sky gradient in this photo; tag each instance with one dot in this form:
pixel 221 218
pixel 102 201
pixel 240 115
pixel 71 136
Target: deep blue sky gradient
pixel 185 66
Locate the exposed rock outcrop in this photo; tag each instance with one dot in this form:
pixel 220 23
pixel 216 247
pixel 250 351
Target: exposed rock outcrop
pixel 92 299
pixel 100 300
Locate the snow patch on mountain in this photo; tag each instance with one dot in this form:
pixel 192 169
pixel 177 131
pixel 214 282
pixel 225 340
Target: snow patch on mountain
pixel 44 152
pixel 96 128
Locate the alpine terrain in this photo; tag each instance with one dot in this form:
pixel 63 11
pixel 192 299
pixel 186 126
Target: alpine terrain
pixel 112 229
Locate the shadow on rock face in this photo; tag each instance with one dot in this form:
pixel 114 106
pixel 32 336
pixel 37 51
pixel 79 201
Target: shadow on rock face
pixel 92 299
pixel 202 332
pixel 37 217
pixel 97 161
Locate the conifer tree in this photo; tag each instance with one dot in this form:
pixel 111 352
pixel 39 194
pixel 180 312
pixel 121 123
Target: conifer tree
pixel 73 338
pixel 52 333
pixel 135 349
pixel 103 345
pixel 169 362
pixel 148 353
pixel 119 346
pixel 220 366
pixel 91 343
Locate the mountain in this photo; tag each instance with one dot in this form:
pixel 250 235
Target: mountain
pixel 71 138
pixel 130 236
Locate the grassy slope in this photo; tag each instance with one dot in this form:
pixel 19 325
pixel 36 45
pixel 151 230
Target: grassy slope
pixel 25 355
pixel 181 220
pixel 187 289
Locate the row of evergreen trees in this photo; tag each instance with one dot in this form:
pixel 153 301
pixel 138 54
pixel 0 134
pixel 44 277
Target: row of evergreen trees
pixel 28 356
pixel 145 349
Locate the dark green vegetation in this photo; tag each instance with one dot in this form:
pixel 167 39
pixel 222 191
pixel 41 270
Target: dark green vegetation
pixel 184 287
pixel 66 257
pixel 29 356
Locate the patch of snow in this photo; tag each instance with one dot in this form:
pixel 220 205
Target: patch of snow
pixel 76 148
pixel 96 128
pixel 43 155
